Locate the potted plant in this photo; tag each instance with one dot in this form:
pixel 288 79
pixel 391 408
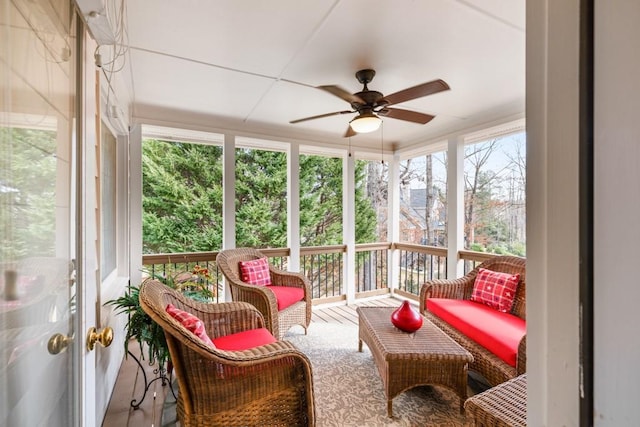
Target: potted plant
pixel 142 328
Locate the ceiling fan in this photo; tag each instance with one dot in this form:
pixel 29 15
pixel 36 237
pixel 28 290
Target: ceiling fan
pixel 369 104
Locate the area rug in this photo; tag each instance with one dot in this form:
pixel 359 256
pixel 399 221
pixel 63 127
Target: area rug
pixel 349 391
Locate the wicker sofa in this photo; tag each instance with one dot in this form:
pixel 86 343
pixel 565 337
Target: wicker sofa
pixel 493 368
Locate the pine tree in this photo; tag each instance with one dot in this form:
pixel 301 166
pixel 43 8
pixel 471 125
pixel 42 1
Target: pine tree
pixel 182 199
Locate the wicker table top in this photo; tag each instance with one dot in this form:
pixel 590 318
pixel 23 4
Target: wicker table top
pixel 428 341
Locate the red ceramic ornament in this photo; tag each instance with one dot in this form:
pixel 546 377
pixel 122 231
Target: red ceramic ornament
pixel 406 318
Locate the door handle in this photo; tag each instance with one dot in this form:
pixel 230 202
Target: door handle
pixel 104 337
pixel 58 343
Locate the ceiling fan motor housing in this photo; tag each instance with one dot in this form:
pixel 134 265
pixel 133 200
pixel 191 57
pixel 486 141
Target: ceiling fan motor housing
pixel 371 98
pixel 365 76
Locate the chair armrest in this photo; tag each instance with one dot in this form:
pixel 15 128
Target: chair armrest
pixel 454 289
pixel 521 363
pixel 229 317
pixel 249 376
pixel 260 297
pixel 290 278
pixel 277 348
pixel 294 280
pixel 287 278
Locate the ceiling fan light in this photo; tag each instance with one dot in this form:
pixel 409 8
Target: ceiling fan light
pixel 365 122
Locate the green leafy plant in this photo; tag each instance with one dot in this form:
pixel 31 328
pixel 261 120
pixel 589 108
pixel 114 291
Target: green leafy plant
pixel 141 327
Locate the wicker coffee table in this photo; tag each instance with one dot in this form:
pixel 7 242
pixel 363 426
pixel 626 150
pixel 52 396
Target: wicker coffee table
pixel 405 360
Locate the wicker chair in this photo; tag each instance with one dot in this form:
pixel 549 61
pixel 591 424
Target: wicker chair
pixel 267 385
pixel 494 369
pixel 278 322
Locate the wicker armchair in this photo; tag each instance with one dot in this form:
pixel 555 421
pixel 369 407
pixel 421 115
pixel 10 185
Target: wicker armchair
pixel 494 369
pixel 278 322
pixel 267 385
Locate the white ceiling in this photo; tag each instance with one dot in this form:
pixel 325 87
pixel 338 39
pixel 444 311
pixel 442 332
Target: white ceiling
pixel 252 66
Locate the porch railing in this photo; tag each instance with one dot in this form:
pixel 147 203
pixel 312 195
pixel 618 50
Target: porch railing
pixel 323 265
pixel 472 259
pixel 166 266
pixel 418 264
pixel 372 266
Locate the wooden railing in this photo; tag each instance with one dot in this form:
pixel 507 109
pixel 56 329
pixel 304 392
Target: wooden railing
pixel 418 264
pixel 168 265
pixel 372 266
pixel 323 265
pixel 472 259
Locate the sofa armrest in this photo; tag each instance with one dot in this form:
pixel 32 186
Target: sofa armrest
pixel 454 289
pixel 521 363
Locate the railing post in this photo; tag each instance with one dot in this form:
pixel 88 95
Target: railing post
pixel 135 205
pixel 349 225
pixel 293 206
pixel 455 206
pixel 393 223
pixel 228 199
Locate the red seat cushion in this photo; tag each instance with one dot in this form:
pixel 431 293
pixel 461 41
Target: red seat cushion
pixel 255 272
pixel 244 340
pixel 287 295
pixel 498 332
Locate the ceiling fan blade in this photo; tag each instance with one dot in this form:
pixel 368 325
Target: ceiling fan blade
pixel 409 116
pixel 321 116
pixel 350 132
pixel 419 91
pixel 343 94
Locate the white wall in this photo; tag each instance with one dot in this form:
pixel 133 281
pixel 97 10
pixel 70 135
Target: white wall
pixel 552 213
pixel 617 209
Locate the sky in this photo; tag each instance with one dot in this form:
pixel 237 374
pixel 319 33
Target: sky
pixel 498 161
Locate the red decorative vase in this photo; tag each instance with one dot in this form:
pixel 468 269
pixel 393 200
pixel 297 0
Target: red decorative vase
pixel 406 318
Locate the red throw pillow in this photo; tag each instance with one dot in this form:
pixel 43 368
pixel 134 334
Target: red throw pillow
pixel 191 322
pixel 255 272
pixel 497 290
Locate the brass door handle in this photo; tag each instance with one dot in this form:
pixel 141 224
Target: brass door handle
pixel 104 337
pixel 58 343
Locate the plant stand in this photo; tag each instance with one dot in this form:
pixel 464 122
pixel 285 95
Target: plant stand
pixel 160 374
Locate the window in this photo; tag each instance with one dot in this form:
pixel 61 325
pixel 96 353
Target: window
pixel 182 196
pixel 261 198
pixel 372 207
pixel 423 199
pixel 320 200
pixel 494 201
pixel 28 191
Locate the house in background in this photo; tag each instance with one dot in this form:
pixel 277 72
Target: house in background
pixel 52 67
pixel 413 214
